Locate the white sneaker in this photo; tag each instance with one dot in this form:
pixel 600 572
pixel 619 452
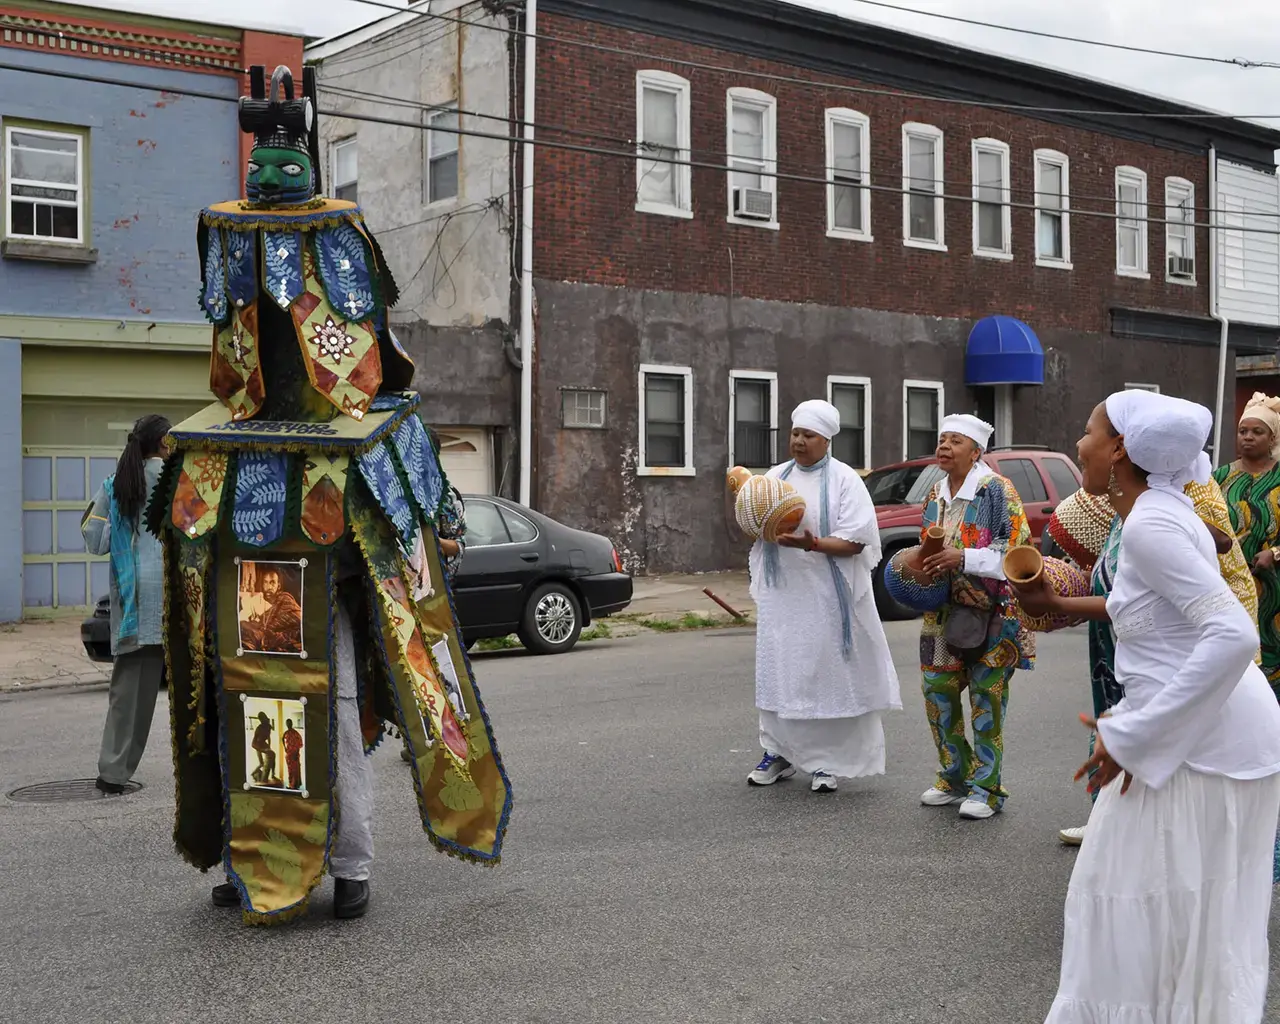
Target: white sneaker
pixel 976 809
pixel 1072 836
pixel 770 770
pixel 935 797
pixel 823 783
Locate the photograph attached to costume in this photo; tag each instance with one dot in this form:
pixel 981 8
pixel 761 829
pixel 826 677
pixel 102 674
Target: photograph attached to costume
pixel 275 741
pixel 270 609
pixel 452 685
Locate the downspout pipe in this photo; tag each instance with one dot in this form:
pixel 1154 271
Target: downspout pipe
pixel 526 255
pixel 1224 325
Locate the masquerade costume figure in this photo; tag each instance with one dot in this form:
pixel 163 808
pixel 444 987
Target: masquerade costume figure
pixel 1167 910
pixel 824 672
pixel 976 640
pixel 306 602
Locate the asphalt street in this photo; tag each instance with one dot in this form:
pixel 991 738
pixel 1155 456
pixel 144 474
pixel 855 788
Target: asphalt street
pixel 643 881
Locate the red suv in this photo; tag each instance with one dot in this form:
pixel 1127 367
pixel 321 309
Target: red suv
pixel 1041 477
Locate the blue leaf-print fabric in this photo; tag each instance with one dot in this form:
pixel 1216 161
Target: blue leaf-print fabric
pixel 420 465
pixel 379 471
pixel 261 490
pixel 282 259
pixel 343 261
pixel 242 266
pixel 214 297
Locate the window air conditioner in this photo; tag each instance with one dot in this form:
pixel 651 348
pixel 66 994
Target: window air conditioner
pixel 753 203
pixel 1182 266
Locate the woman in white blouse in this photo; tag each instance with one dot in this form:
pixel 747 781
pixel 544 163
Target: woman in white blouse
pixel 1167 910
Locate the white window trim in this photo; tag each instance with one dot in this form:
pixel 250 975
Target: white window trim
pixel 1154 388
pixel 765 375
pixel 81 187
pixel 770 183
pixel 451 108
pixel 939 205
pixel 334 184
pixel 920 385
pixel 860 121
pixel 1172 187
pixel 668 371
pixel 1052 156
pixel 1000 149
pixel 668 82
pixel 1134 176
pixel 835 380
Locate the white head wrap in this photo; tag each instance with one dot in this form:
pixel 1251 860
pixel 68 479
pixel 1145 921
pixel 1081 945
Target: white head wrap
pixel 821 417
pixel 1164 436
pixel 978 431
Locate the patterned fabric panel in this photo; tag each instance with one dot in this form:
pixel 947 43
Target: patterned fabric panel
pixel 379 471
pixel 242 267
pixel 420 465
pixel 324 487
pixel 282 260
pixel 235 374
pixel 261 489
pixel 213 298
pixel 345 267
pixel 198 496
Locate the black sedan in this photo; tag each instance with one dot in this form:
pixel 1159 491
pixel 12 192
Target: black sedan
pixel 523 573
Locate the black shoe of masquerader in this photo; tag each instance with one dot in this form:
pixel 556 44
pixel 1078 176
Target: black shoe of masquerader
pixel 350 899
pixel 225 895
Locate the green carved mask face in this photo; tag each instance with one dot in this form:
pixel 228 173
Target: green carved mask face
pixel 279 176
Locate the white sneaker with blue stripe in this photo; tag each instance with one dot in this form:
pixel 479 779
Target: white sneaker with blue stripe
pixel 770 770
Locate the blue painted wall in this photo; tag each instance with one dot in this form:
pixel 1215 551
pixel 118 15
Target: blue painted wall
pixel 11 471
pixel 154 160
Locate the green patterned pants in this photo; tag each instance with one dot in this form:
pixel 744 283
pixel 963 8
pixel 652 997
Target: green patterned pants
pixel 971 770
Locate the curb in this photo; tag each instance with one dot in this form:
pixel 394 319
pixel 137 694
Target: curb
pixel 44 685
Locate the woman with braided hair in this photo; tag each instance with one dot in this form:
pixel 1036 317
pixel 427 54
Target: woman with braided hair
pixel 111 527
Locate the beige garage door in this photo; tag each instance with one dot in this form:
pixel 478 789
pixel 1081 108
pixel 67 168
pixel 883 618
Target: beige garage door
pixel 467 456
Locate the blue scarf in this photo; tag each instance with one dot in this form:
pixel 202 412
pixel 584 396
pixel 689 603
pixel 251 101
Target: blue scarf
pixel 124 564
pixel 773 567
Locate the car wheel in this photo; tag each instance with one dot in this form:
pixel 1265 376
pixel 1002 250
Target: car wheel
pixel 552 620
pixel 889 609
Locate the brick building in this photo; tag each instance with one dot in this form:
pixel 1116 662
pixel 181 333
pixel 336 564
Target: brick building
pixel 683 311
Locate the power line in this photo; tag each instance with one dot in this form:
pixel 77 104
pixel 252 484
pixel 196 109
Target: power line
pixel 627 154
pixel 1239 62
pixel 881 169
pixel 829 86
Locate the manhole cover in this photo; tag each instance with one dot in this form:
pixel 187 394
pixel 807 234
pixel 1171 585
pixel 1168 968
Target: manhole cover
pixel 65 792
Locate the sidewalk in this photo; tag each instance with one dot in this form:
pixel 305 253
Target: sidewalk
pixel 44 654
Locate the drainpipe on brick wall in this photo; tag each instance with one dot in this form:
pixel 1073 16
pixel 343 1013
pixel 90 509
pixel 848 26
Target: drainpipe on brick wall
pixel 1223 323
pixel 526 257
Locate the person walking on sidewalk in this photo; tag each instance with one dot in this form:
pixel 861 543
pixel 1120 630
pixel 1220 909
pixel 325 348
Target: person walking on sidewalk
pixel 112 526
pixel 824 673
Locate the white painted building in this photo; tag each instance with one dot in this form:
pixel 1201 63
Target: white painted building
pixel 440 205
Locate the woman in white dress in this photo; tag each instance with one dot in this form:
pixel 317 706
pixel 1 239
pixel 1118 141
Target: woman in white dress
pixel 1167 910
pixel 824 672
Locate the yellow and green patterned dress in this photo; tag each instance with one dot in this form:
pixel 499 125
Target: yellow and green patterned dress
pixel 1254 504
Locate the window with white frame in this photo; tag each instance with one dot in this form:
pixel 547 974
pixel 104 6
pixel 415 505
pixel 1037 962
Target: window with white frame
pixel 753 418
pixel 344 159
pixel 921 415
pixel 992 227
pixel 753 157
pixel 922 204
pixel 852 398
pixel 442 156
pixel 848 174
pixel 45 186
pixel 1053 221
pixel 1142 387
pixel 1131 222
pixel 582 409
pixel 662 134
pixel 666 421
pixel 1180 230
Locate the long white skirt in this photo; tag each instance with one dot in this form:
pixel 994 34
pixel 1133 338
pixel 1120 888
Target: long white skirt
pixel 1167 910
pixel 848 748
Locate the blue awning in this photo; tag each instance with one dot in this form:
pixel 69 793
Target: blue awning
pixel 1002 350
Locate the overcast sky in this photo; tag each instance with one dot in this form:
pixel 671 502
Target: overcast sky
pixel 1227 28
